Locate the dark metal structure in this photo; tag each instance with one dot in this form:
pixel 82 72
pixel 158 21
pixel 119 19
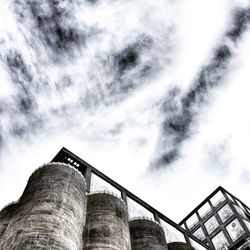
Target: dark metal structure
pixel 221 221
pixel 98 182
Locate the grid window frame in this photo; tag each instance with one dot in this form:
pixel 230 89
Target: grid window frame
pixel 222 224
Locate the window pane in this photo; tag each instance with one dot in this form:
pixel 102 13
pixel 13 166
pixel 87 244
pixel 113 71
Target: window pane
pixel 235 230
pixel 136 210
pixel 192 221
pixel 199 234
pixel 225 213
pixel 196 245
pixel 240 211
pixel 204 210
pixel 217 198
pixel 97 184
pixel 172 234
pixel 220 241
pixel 211 224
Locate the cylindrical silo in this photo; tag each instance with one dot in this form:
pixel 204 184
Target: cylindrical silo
pixel 51 212
pixel 5 216
pixel 107 223
pixel 146 234
pixel 179 246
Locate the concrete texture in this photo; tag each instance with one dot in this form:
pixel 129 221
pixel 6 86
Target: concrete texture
pixel 179 246
pixel 51 212
pixel 107 223
pixel 147 235
pixel 5 217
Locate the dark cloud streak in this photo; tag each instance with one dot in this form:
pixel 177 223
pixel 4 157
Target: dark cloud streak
pixel 177 126
pixel 22 77
pixel 240 23
pixel 53 23
pixel 124 70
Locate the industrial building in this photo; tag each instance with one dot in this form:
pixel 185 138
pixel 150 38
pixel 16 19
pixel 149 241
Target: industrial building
pixel 221 221
pixel 69 205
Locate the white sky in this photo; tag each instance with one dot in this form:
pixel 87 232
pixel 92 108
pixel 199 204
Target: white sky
pixel 107 95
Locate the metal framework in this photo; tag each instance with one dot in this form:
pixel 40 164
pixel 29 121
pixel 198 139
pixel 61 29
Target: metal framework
pixel 221 221
pixel 96 181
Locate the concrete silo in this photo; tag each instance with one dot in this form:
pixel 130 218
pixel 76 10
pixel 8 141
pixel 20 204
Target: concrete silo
pixel 5 217
pixel 107 223
pixel 51 212
pixel 179 246
pixel 146 235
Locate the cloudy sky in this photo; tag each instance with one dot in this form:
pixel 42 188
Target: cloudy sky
pixel 155 94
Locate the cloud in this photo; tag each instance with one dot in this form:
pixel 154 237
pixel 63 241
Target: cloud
pixel 245 176
pixel 177 126
pixel 217 158
pixel 54 25
pixel 129 82
pixel 239 23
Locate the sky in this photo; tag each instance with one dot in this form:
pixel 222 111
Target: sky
pixel 155 94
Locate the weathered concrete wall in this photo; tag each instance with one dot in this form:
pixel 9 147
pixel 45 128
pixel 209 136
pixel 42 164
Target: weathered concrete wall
pixel 147 235
pixel 179 246
pixel 5 217
pixel 51 212
pixel 107 223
